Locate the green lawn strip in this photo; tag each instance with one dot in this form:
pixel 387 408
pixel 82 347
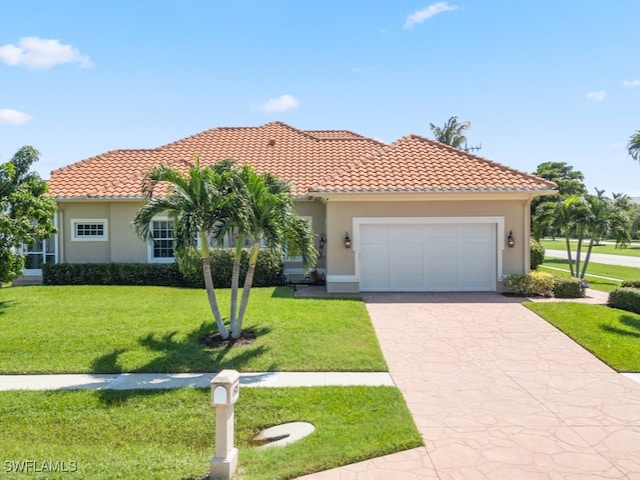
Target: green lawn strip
pixel 610 334
pixel 632 250
pixel 111 329
pixel 170 433
pixel 601 269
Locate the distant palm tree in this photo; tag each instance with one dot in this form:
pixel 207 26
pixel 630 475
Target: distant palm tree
pixel 634 146
pixel 197 204
pixel 451 133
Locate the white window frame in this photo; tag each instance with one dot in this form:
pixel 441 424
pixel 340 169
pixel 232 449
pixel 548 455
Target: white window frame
pixel 90 238
pixel 150 257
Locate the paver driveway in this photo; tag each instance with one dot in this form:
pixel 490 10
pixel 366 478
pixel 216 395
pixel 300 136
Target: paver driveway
pixel 498 393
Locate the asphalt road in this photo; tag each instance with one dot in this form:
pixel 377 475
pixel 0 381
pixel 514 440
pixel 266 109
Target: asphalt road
pixel 599 258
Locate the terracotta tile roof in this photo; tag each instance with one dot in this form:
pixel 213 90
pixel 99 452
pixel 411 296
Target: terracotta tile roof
pixel 309 159
pixel 417 164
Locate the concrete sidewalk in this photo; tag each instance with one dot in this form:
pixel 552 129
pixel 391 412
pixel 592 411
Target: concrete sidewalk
pixel 131 381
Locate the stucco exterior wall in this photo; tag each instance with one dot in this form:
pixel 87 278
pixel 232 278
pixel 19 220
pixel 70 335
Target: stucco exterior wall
pixel 121 245
pixel 340 215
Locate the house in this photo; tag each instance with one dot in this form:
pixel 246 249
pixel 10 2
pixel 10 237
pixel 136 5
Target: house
pixel 414 215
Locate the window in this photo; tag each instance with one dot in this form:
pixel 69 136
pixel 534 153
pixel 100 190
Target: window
pixel 297 258
pixel 89 230
pixel 162 242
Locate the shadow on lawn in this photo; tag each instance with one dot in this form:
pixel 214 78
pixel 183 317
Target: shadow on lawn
pixel 6 304
pixel 186 355
pixel 631 322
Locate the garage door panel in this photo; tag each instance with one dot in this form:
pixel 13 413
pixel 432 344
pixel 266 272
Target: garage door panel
pixel 428 257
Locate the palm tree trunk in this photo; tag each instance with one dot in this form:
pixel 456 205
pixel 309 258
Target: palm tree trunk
pixel 580 236
pixel 246 291
pixel 235 279
pixel 586 259
pixel 208 283
pixel 566 237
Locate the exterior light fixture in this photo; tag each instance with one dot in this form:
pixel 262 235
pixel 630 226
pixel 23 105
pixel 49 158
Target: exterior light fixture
pixel 323 241
pixel 347 241
pixel 510 240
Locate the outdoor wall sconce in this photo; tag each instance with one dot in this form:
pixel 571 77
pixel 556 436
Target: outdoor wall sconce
pixel 510 240
pixel 323 241
pixel 347 241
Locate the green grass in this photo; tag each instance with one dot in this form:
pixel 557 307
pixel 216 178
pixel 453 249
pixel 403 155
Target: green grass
pixel 158 434
pixel 632 250
pixel 110 329
pixel 610 334
pixel 611 271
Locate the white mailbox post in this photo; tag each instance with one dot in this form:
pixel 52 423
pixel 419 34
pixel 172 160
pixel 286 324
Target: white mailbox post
pixel 225 388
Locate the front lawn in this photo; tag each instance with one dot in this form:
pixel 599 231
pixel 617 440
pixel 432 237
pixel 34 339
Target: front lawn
pixel 610 334
pixel 158 434
pixel 112 329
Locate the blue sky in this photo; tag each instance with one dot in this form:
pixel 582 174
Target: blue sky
pixel 538 80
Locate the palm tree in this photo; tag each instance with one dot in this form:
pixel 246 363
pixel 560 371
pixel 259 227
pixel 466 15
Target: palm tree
pixel 451 133
pixel 593 215
pixel 634 146
pixel 269 217
pixel 604 218
pixel 197 204
pixel 564 216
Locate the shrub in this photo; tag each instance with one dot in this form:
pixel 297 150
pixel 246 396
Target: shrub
pixel 534 283
pixel 568 287
pixel 630 284
pixel 186 273
pixel 536 256
pixel 625 299
pixel 269 268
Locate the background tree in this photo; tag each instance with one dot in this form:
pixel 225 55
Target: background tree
pixel 634 146
pixel 26 211
pixel 570 182
pixel 452 133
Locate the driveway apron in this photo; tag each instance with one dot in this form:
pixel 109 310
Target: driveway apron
pixel 499 393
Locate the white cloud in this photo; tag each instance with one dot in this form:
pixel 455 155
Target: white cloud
pixel 631 83
pixel 41 53
pixel 425 14
pixel 280 104
pixel 13 117
pixel 596 96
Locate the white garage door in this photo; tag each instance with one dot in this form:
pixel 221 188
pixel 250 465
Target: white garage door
pixel 428 258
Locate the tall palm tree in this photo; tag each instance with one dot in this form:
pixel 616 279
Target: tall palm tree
pixel 634 146
pixel 197 204
pixel 451 133
pixel 269 217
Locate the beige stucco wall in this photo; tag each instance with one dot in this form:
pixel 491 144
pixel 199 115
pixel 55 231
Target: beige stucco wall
pixel 340 215
pixel 122 245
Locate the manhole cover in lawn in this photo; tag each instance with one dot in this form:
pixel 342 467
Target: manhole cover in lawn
pixel 281 435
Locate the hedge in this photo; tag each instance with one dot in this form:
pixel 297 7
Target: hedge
pixel 269 272
pixel 536 256
pixel 630 284
pixel 625 299
pixel 568 287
